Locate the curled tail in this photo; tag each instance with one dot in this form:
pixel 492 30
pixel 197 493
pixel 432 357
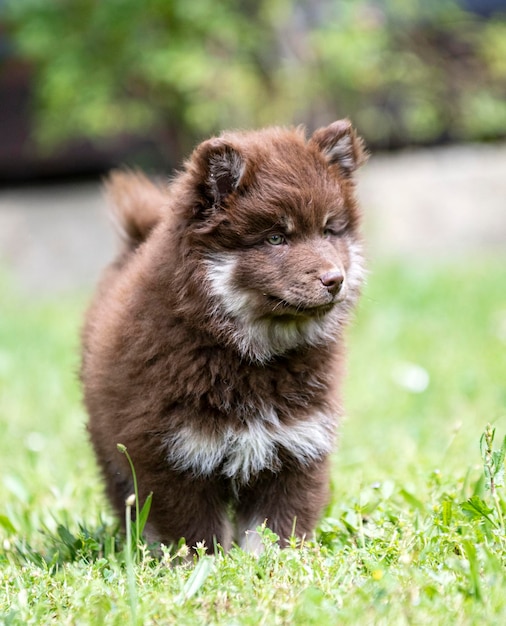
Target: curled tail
pixel 136 205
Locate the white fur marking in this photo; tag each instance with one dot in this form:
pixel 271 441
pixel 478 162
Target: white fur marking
pixel 220 273
pixel 240 454
pixel 250 539
pixel 356 272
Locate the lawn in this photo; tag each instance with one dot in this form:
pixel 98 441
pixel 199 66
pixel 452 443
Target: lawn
pixel 413 534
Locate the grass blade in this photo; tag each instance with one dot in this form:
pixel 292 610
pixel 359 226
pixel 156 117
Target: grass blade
pixel 197 579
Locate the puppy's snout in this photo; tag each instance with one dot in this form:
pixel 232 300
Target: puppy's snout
pixel 333 280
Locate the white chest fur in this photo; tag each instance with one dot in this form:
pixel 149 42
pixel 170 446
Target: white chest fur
pixel 239 454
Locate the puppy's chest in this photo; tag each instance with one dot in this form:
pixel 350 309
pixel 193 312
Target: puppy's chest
pixel 243 420
pixel 229 387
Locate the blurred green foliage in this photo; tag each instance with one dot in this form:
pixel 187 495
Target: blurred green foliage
pixel 406 71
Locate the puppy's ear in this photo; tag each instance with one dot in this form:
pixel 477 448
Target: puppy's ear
pixel 222 167
pixel 341 146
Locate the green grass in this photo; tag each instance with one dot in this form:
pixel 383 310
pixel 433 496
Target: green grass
pixel 412 534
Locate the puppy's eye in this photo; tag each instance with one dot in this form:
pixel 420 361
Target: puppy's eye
pixel 276 239
pixel 334 230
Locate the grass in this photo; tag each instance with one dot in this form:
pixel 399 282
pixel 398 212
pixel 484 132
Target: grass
pixel 412 534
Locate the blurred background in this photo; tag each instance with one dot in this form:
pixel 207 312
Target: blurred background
pixel 86 85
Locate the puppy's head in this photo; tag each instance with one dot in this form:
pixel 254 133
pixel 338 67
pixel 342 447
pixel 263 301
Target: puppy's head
pixel 274 223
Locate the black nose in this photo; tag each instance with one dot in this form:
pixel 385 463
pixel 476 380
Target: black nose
pixel 333 280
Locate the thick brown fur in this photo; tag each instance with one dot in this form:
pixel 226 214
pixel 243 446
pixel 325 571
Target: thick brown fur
pixel 214 347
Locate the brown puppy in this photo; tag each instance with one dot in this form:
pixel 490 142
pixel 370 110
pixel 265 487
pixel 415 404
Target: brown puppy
pixel 213 349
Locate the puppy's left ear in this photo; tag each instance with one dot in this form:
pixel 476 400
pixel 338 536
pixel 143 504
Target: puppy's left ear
pixel 341 146
pixel 223 168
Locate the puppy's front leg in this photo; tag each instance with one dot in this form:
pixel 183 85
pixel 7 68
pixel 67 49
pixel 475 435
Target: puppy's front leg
pixel 184 506
pixel 291 501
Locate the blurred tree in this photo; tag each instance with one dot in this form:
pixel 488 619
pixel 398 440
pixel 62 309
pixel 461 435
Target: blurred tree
pixel 406 71
pixel 180 68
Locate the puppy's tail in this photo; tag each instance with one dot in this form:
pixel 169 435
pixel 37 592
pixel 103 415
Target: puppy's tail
pixel 136 205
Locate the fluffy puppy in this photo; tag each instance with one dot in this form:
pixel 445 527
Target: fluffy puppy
pixel 214 347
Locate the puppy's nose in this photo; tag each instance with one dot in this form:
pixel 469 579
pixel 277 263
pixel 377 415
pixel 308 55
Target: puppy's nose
pixel 333 280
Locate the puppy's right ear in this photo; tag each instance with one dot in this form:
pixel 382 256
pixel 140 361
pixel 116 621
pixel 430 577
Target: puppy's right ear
pixel 222 169
pixel 341 146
